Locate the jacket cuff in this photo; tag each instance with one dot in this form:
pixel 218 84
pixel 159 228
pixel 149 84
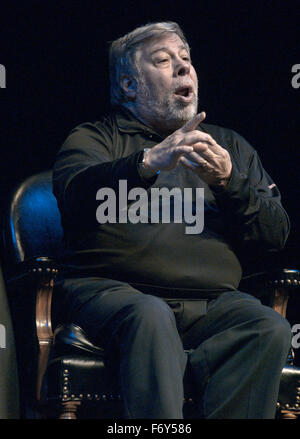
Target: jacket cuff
pixel 236 191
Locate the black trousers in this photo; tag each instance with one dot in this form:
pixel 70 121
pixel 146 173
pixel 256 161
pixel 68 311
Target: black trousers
pixel 238 349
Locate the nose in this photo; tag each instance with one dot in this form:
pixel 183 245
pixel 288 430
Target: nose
pixel 182 67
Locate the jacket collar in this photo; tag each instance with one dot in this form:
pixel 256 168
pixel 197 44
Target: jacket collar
pixel 128 123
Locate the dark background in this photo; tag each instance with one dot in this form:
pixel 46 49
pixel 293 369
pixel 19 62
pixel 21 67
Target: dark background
pixel 55 54
pixel 56 59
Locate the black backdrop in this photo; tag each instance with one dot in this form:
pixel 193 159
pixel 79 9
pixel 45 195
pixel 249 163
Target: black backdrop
pixel 55 55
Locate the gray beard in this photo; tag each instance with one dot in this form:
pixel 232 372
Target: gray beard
pixel 165 114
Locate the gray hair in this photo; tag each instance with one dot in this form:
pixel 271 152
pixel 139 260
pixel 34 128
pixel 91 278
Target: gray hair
pixel 122 59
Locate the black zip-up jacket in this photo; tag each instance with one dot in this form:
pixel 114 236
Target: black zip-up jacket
pixel 248 212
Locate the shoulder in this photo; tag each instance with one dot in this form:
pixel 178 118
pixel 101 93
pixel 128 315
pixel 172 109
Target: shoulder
pixel 105 125
pixel 92 133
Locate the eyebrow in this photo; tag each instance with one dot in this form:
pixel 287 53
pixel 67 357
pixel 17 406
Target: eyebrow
pixel 166 49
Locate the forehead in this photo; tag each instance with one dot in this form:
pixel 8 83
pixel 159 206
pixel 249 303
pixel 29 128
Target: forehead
pixel 169 41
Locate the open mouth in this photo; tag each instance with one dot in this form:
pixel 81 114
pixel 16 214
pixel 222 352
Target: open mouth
pixel 184 91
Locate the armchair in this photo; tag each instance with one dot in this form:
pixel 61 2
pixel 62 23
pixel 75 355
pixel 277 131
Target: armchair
pixel 66 371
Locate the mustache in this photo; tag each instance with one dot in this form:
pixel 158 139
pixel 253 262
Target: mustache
pixel 184 85
pixel 150 94
pixel 179 85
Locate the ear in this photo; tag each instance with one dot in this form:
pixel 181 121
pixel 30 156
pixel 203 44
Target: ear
pixel 128 85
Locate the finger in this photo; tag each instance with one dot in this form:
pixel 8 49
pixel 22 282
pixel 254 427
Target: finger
pixel 183 150
pixel 196 136
pixel 206 155
pixel 196 162
pixel 200 160
pixel 196 167
pixel 208 152
pixel 202 147
pixel 194 122
pixel 188 163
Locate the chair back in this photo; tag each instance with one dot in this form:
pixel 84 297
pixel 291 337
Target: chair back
pixel 32 226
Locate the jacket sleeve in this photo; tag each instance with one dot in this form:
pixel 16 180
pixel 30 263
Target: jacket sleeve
pixel 251 202
pixel 84 164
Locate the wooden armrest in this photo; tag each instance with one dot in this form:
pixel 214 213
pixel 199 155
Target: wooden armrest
pixel 37 275
pixel 29 270
pixel 273 287
pixel 285 284
pixel 43 326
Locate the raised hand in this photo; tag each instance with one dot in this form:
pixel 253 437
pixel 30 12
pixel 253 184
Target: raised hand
pixel 194 149
pixel 210 161
pixel 166 155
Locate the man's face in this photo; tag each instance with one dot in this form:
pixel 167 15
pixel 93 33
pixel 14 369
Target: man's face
pixel 167 86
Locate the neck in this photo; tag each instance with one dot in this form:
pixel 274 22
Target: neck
pixel 159 125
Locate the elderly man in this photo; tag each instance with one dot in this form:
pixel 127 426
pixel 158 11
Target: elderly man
pixel 145 289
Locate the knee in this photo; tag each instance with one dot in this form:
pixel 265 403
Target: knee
pixel 265 321
pixel 151 309
pixel 276 328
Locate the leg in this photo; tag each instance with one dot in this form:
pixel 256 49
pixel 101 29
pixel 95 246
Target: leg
pixel 241 347
pixel 141 329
